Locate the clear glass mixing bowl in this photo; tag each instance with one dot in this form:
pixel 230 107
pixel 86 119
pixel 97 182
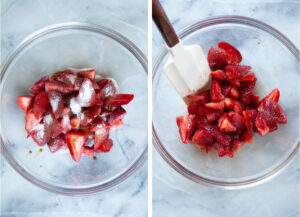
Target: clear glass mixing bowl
pixel 275 60
pixel 75 45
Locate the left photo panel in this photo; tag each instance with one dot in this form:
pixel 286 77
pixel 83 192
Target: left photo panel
pixel 74 108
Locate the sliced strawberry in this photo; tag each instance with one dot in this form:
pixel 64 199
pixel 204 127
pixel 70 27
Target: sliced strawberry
pixel 88 151
pixel 25 102
pixel 226 125
pixel 90 73
pixel 237 120
pixel 106 145
pixel 57 143
pixel 261 125
pixel 273 96
pixel 246 91
pixel 65 123
pixel 88 115
pixel 116 125
pixel 99 137
pixel 40 134
pixel 66 110
pixel 273 127
pixel 116 115
pixel 40 104
pixel 219 74
pixel 215 105
pixel 250 76
pixel 87 95
pixel 221 138
pixel 56 102
pixel 212 115
pixel 236 71
pixel 75 141
pixel 237 107
pixel 229 103
pixel 255 100
pixel 246 136
pixel 107 88
pixel 225 87
pixel 223 150
pixel 202 137
pixel 75 122
pixel 234 93
pixel 236 145
pixel 217 58
pixel 186 125
pixel 31 121
pixel 39 86
pixel 98 123
pixel 233 55
pixel 192 109
pixel 200 100
pixel 119 99
pixel 273 113
pixel 67 76
pixel 235 83
pixel 58 86
pixel 216 93
pixel 206 95
pixel 250 116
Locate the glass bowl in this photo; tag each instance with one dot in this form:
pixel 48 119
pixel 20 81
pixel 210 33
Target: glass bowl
pixel 75 45
pixel 275 60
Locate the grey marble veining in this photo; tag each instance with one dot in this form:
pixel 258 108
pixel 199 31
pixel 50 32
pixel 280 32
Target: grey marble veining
pixel 174 195
pixel 19 18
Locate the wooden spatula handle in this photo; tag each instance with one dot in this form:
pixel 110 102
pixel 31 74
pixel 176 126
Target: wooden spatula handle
pixel 163 24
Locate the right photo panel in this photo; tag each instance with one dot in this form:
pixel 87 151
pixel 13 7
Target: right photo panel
pixel 225 108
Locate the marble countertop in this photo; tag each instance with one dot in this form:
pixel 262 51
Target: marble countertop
pixel 174 195
pixel 19 18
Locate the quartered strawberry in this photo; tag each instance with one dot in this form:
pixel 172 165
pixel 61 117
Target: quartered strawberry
pixel 75 122
pixel 187 125
pixel 217 58
pixel 273 113
pixel 106 145
pixel 40 104
pixel 98 123
pixel 250 116
pixel 107 88
pixel 57 143
pixel 56 102
pixel 202 137
pixel 236 71
pixel 212 115
pixel 235 83
pixel 221 138
pixel 237 120
pixel 119 99
pixel 215 105
pixel 229 103
pixel 52 125
pixel 250 76
pixel 246 91
pixel 200 100
pixel 192 109
pixel 219 74
pixel 67 76
pixel 216 92
pixel 40 134
pixel 116 125
pixel 89 115
pixel 226 124
pixel 233 55
pixel 25 102
pixel 58 86
pixel 237 107
pixel 273 96
pixel 236 145
pixel 31 121
pixel 261 125
pixel 116 115
pixel 225 88
pixel 90 73
pixel 76 141
pixel 39 86
pixel 88 151
pixel 87 95
pixel 99 137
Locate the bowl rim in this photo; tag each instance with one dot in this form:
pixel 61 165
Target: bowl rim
pixel 101 30
pixel 162 150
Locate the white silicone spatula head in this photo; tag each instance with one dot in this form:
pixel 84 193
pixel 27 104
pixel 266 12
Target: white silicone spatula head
pixel 187 68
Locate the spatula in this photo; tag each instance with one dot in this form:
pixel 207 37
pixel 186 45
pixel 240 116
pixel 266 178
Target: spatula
pixel 187 67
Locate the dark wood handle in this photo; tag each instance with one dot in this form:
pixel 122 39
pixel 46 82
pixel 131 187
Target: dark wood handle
pixel 163 24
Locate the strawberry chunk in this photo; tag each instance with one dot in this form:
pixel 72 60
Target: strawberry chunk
pixel 106 145
pixel 246 136
pixel 237 120
pixel 88 151
pixel 87 95
pixel 219 74
pixel 225 88
pixel 261 125
pixel 76 141
pixel 217 58
pixel 25 102
pixel 223 150
pixel 119 99
pixel 221 138
pixel 202 137
pixel 90 73
pixel 215 105
pixel 192 109
pixel 65 123
pixel 58 86
pixel 236 145
pixel 31 121
pixel 116 115
pixel 75 122
pixel 56 102
pixel 273 96
pixel 39 86
pixel 98 123
pixel 52 125
pixel 235 83
pixel 255 100
pixel 107 88
pixel 99 137
pixel 250 76
pixel 40 134
pixel 237 107
pixel 40 104
pixel 226 124
pixel 89 114
pixel 216 93
pixel 200 100
pixel 233 55
pixel 57 143
pixel 246 91
pixel 229 103
pixel 186 125
pixel 250 116
pixel 67 76
pixel 273 113
pixel 116 125
pixel 236 71
pixel 212 115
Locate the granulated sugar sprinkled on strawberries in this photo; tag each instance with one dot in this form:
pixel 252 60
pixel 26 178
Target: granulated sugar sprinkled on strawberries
pixel 74 106
pixel 48 119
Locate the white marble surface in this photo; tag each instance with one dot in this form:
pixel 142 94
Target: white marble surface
pixel 174 195
pixel 19 18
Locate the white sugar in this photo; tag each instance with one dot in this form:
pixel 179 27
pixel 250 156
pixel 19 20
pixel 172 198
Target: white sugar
pixel 71 78
pixel 48 119
pixel 54 101
pixel 40 129
pixel 75 107
pixel 85 93
pixel 66 121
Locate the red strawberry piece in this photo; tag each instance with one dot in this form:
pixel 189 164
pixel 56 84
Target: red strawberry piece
pixel 75 122
pixel 237 107
pixel 99 137
pixel 106 145
pixel 107 88
pixel 273 127
pixel 219 74
pixel 217 58
pixel 65 123
pixel 87 95
pixel 52 125
pixel 202 122
pixel 237 120
pixel 56 102
pixel 236 145
pixel 39 86
pixel 78 83
pixel 223 150
pixel 88 115
pixel 119 99
pixel 233 55
pixel 96 86
pixel 192 109
pixel 90 73
pixel 67 76
pixel 255 100
pixel 98 123
pixel 57 143
pixel 236 71
pixel 226 124
pixel 212 115
pixel 25 102
pixel 58 86
pixel 250 76
pixel 229 103
pixel 250 116
pixel 40 104
pixel 40 134
pixel 230 153
pixel 246 91
pixel 200 100
pixel 88 151
pixel 273 113
pixel 116 115
pixel 216 93
pixel 215 105
pixel 186 125
pixel 76 141
pixel 206 95
pixel 235 83
pixel 116 125
pixel 222 138
pixel 273 96
pixel 208 148
pixel 31 121
pixel 202 137
pixel 261 125
pixel 246 136
pixel 225 87
pixel 66 110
